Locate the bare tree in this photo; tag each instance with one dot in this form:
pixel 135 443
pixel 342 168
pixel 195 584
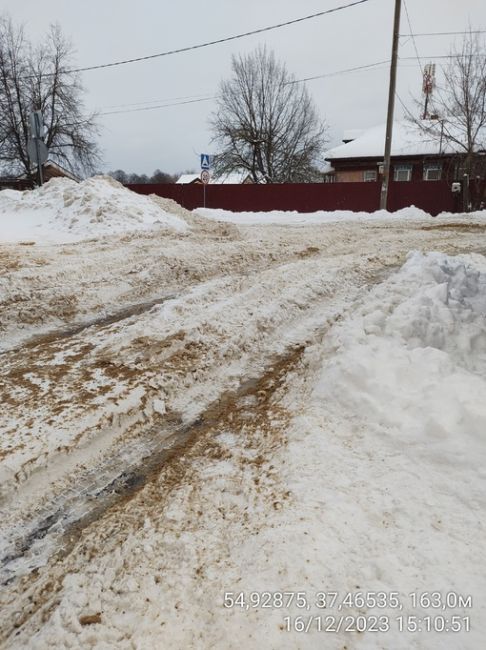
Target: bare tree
pixel 119 175
pixel 162 177
pixel 157 177
pixel 266 123
pixel 458 114
pixel 40 78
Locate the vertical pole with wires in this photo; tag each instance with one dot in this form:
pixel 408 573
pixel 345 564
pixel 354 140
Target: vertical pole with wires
pixel 391 106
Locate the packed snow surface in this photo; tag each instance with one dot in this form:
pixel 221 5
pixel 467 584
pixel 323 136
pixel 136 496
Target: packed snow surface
pixel 63 210
pixel 294 408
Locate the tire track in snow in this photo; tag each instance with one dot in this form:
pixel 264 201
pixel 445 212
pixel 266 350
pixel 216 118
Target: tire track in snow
pixel 251 405
pixel 100 321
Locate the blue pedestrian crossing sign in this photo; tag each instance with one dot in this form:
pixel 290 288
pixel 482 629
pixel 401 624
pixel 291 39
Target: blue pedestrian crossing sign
pixel 205 161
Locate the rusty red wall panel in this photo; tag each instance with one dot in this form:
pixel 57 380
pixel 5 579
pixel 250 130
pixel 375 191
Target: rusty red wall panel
pixel 433 197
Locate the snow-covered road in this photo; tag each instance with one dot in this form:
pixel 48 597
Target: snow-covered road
pixel 197 407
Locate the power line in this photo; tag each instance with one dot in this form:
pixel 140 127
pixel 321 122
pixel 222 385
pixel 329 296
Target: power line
pixel 151 108
pixel 206 98
pixel 475 31
pixel 338 72
pixel 218 41
pixel 413 37
pixel 441 56
pixel 405 107
pixel 158 101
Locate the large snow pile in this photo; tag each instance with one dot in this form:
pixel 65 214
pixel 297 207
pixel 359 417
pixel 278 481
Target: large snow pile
pixel 386 458
pixel 412 360
pixel 63 210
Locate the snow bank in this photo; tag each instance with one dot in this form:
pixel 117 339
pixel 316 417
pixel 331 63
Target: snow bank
pixel 386 456
pixel 63 210
pixel 412 360
pixel 291 218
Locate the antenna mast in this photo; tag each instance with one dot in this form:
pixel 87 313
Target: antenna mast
pixel 428 87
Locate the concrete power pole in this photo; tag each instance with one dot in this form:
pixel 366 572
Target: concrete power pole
pixel 391 106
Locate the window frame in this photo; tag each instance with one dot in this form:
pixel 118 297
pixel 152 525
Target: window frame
pixel 370 180
pixel 432 166
pixel 408 167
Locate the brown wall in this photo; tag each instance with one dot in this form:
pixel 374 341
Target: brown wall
pixel 16 184
pixel 353 176
pixel 352 170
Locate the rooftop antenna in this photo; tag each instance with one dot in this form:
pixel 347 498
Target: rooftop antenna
pixel 428 87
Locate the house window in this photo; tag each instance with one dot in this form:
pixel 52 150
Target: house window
pixel 370 175
pixel 432 171
pixel 402 173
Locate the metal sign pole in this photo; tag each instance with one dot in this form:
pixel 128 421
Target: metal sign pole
pixel 39 164
pixel 36 147
pixel 204 174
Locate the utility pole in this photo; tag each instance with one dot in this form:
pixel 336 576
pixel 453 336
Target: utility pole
pixel 391 106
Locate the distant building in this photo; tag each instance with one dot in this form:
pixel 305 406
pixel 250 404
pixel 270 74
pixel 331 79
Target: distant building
pixel 51 169
pixel 189 179
pixel 233 178
pixel 415 156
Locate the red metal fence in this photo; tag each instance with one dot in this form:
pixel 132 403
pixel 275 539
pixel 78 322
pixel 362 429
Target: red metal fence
pixel 431 196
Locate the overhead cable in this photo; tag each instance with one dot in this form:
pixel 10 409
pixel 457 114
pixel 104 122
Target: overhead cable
pixel 464 33
pixel 413 37
pixel 219 40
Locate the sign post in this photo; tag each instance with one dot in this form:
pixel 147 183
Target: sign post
pixel 36 148
pixel 205 161
pixel 205 180
pixel 205 175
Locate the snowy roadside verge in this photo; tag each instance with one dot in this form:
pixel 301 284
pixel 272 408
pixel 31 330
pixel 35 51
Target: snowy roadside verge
pixel 290 218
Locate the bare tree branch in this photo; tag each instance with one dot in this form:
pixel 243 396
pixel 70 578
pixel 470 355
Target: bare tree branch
pixel 459 109
pixel 38 78
pixel 266 125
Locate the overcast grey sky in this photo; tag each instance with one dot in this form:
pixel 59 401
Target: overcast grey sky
pixel 171 138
